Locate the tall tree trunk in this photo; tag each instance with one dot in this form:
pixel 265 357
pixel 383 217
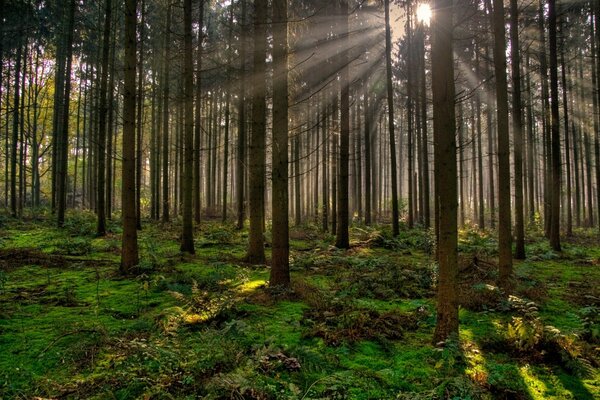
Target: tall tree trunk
pixel 368 188
pixel 198 121
pixel 129 252
pixel 504 218
pixel 101 228
pixel 165 132
pixel 64 127
pixel 241 143
pixel 545 120
pixel 444 128
pixel 567 147
pixel 227 119
pixel 555 121
pixel 517 122
pixel 140 121
pixel 280 273
pixel 530 146
pixel 15 130
pixel 187 235
pixel 597 91
pixel 391 126
pixel 409 112
pixel 256 250
pixel 342 236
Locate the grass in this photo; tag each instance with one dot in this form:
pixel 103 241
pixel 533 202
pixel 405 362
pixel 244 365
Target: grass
pixel 357 325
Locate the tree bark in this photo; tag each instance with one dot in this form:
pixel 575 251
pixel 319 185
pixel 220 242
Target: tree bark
pixel 256 250
pixel 100 201
pixel 517 123
pixel 187 235
pixel 129 254
pixel 444 131
pixel 555 128
pixel 391 122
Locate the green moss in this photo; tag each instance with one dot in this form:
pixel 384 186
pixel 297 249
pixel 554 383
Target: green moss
pixel 83 328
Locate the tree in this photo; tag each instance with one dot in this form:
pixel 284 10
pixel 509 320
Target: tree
pixel 256 248
pixel 504 218
pixel 100 201
pixel 444 136
pixel 165 142
pixel 63 142
pixel 129 252
pixel 517 119
pixel 187 235
pixel 391 122
pixel 555 129
pixel 280 272
pixel 342 236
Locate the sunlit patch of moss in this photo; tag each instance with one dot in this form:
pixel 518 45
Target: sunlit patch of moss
pixel 250 286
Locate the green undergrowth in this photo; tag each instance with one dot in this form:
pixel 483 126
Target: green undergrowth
pixel 356 324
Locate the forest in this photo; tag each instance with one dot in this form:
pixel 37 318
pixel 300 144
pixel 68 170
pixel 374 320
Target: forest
pixel 300 199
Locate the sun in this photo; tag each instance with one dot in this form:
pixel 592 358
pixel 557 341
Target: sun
pixel 424 13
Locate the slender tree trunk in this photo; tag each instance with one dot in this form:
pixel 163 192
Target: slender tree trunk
pixel 187 235
pixel 280 273
pixel 530 146
pixel 227 121
pixel 15 130
pixel 256 250
pixel 517 122
pixel 165 132
pixel 596 132
pixel 391 126
pixel 444 129
pixel 368 190
pixel 129 254
pixel 100 202
pixel 140 121
pixel 241 143
pixel 64 131
pixel 567 147
pixel 555 121
pixel 342 237
pixel 504 218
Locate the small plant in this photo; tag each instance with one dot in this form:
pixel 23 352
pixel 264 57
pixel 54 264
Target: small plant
pixel 77 246
pixel 3 280
pixel 590 316
pixel 69 296
pixel 524 334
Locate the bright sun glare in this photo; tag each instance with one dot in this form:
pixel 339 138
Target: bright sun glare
pixel 424 13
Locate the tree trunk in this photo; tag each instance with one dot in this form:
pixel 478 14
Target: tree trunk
pixel 101 228
pixel 64 127
pixel 129 254
pixel 342 235
pixel 256 250
pixel 187 235
pixel 504 218
pixel 140 121
pixel 555 121
pixel 280 273
pixel 517 120
pixel 241 143
pixel 165 132
pixel 391 126
pixel 444 128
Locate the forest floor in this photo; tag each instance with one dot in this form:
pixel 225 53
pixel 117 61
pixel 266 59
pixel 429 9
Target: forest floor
pixel 357 325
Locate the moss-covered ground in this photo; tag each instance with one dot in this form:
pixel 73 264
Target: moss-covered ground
pixel 356 325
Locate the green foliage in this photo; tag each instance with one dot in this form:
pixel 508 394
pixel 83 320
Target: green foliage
pixel 477 242
pixel 590 317
pixel 357 325
pixel 421 240
pixel 76 246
